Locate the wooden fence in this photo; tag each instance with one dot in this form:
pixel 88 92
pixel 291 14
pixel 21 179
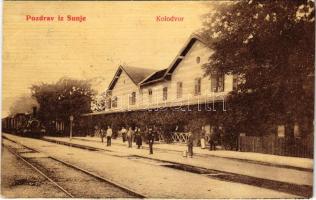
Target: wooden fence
pixel 277 146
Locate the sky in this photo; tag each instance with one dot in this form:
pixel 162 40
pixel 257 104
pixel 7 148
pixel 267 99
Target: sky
pixel 114 33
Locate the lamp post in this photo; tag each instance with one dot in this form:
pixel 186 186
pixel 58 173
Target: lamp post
pixel 71 118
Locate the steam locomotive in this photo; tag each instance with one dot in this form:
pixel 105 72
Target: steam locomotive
pixel 24 124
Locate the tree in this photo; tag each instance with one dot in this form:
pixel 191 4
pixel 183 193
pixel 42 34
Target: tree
pixel 101 102
pixel 64 98
pixel 269 46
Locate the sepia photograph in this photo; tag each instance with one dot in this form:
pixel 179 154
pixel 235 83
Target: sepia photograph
pixel 158 99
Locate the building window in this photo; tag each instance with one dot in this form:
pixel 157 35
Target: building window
pixel 165 94
pixel 132 98
pixel 198 60
pixel 108 99
pixel 150 95
pixel 114 102
pixel 179 89
pixel 197 86
pixel 217 82
pixel 235 82
pixel 108 103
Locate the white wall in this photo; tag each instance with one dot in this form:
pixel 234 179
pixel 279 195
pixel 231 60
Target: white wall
pixel 186 72
pixel 122 89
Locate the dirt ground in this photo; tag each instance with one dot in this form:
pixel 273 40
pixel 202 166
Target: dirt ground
pixel 18 180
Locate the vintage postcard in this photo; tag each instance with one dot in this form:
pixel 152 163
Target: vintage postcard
pixel 158 99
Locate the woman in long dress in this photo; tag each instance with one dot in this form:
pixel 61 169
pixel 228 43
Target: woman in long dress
pixel 138 138
pixel 203 138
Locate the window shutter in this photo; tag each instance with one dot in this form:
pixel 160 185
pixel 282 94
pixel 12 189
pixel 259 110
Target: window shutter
pixel 134 97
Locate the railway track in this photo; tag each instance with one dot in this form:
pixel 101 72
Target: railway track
pixel 301 190
pixel 72 180
pixel 39 171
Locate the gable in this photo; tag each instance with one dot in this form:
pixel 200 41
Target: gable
pixel 183 53
pixel 191 65
pixel 166 73
pixel 135 74
pixel 124 85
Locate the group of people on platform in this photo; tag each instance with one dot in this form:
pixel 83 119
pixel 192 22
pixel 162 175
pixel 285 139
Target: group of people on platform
pixel 104 133
pixel 131 135
pixel 213 140
pixel 137 136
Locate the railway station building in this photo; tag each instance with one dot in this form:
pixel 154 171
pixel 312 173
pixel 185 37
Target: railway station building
pixel 179 99
pixel 175 99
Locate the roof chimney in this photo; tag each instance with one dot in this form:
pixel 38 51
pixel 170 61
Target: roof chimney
pixel 34 111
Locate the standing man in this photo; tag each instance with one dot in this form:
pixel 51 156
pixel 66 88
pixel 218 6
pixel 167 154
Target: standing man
pixel 102 131
pixel 96 130
pixel 129 136
pixel 151 139
pixel 123 132
pixel 212 139
pixel 190 144
pixel 109 133
pixel 134 136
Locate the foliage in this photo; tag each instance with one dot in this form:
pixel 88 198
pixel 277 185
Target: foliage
pixel 269 46
pixel 167 119
pixel 99 102
pixel 64 98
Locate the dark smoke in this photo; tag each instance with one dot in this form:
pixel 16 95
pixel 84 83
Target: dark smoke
pixel 24 104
